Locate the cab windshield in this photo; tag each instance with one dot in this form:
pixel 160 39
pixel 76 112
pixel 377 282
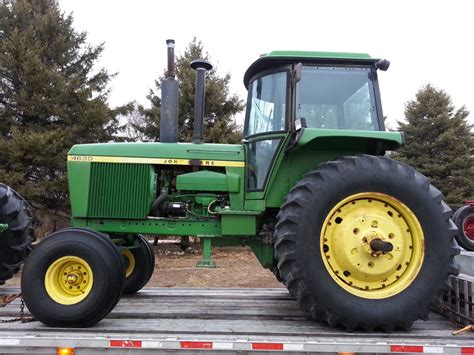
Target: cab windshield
pixel 267 104
pixel 336 98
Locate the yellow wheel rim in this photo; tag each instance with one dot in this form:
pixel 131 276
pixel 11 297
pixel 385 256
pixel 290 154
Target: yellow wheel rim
pixel 68 280
pixel 129 259
pixel 349 239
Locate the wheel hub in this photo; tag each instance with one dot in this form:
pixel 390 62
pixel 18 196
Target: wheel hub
pixel 71 279
pixel 68 280
pixel 368 245
pixel 379 246
pixel 373 242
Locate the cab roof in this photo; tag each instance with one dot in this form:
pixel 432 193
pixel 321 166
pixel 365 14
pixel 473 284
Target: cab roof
pixel 277 58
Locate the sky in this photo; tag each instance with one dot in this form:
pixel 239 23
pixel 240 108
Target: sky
pixel 425 41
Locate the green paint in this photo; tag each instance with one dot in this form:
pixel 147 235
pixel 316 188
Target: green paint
pixel 389 140
pixel 206 261
pixel 235 224
pixel 254 205
pixel 79 187
pixel 316 146
pixel 203 180
pixel 317 55
pixel 166 226
pixel 236 184
pixel 204 200
pixel 233 182
pixel 233 152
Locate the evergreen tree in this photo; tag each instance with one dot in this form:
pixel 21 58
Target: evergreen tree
pixel 51 97
pixel 220 106
pixel 440 143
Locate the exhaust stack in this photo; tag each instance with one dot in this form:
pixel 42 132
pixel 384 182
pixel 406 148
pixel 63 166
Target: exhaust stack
pixel 201 66
pixel 169 100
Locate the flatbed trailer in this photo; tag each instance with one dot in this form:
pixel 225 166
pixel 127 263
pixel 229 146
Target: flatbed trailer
pixel 210 320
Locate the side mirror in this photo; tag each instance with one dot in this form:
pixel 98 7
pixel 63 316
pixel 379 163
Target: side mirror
pixel 382 64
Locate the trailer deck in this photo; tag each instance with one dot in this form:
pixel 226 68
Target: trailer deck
pixel 227 320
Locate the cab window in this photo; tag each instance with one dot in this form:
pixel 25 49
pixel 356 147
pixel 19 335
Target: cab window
pixel 337 98
pixel 267 104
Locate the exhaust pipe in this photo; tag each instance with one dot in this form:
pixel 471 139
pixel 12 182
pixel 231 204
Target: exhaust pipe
pixel 171 72
pixel 201 66
pixel 169 100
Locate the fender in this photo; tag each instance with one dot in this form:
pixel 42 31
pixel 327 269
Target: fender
pixel 368 142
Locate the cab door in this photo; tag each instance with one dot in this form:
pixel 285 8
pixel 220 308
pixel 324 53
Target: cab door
pixel 266 128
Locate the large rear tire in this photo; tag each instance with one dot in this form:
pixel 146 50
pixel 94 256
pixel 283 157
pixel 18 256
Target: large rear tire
pixel 365 242
pixel 15 242
pixel 464 219
pixel 73 278
pixel 139 265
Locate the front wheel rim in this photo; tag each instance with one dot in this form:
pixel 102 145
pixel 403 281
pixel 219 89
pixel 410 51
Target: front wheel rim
pixel 372 245
pixel 129 260
pixel 68 280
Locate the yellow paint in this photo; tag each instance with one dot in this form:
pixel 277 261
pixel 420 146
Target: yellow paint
pixel 68 280
pixel 161 161
pixel 345 245
pixel 129 262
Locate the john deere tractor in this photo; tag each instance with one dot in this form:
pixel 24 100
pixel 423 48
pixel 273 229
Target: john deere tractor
pixel 360 240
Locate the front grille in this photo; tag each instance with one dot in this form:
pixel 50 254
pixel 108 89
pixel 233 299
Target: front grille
pixel 121 190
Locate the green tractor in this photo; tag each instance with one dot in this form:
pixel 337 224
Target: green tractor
pixel 360 240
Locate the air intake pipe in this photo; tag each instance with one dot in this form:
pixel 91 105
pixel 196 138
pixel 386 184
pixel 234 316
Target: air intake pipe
pixel 169 100
pixel 201 66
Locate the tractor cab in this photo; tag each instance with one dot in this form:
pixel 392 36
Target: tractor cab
pixel 320 93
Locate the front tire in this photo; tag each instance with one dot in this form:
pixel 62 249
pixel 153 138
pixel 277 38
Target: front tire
pixel 365 242
pixel 73 278
pixel 139 265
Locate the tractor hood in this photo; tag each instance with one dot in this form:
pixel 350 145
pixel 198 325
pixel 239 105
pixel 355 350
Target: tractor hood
pixel 160 153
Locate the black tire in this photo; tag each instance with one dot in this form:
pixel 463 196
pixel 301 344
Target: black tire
pixel 461 216
pixel 455 214
pixel 300 256
pixel 15 242
pixel 105 263
pixel 143 269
